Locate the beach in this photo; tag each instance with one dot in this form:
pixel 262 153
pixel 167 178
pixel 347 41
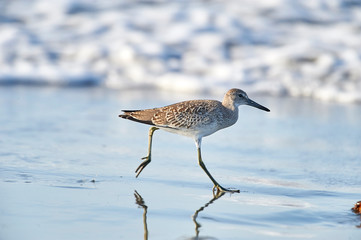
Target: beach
pixel 68 162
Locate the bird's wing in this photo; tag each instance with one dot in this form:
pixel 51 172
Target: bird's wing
pixel 187 114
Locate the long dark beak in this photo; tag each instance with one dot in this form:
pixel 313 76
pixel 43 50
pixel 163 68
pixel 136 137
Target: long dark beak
pixel 256 105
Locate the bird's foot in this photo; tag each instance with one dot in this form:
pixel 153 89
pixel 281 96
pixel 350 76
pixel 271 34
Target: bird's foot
pixel 142 165
pixel 217 189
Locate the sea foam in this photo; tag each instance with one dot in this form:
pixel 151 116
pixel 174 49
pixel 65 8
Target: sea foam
pixel 279 47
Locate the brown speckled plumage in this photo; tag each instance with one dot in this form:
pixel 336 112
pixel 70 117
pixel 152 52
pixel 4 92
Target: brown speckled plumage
pixel 184 115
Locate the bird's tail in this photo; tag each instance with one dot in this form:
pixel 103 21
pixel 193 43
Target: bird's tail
pixel 127 113
pixel 137 116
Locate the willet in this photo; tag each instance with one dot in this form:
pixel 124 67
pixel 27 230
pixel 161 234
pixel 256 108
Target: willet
pixel 196 119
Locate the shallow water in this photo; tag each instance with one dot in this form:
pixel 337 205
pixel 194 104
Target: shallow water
pixel 67 170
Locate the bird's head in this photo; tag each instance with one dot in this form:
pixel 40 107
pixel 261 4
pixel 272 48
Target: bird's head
pixel 236 97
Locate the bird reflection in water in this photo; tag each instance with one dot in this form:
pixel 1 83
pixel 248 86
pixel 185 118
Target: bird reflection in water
pixel 140 202
pixel 216 196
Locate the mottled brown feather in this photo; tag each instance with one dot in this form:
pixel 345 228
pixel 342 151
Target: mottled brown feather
pixel 187 114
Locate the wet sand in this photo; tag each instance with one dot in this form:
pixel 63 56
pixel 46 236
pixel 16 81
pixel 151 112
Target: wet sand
pixel 67 170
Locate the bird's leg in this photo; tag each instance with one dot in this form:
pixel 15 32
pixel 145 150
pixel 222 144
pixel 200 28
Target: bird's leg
pixel 147 159
pixel 217 187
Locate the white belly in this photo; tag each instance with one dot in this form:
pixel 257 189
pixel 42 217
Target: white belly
pixel 195 133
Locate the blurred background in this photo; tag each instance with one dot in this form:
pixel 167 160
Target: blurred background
pixel 278 47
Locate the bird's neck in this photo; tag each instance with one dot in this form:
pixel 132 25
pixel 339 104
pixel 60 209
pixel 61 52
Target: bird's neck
pixel 229 105
pixel 230 115
pixel 232 110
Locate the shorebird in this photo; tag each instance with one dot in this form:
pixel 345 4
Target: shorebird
pixel 195 119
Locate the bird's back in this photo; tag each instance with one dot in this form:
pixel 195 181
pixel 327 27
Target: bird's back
pixel 188 115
